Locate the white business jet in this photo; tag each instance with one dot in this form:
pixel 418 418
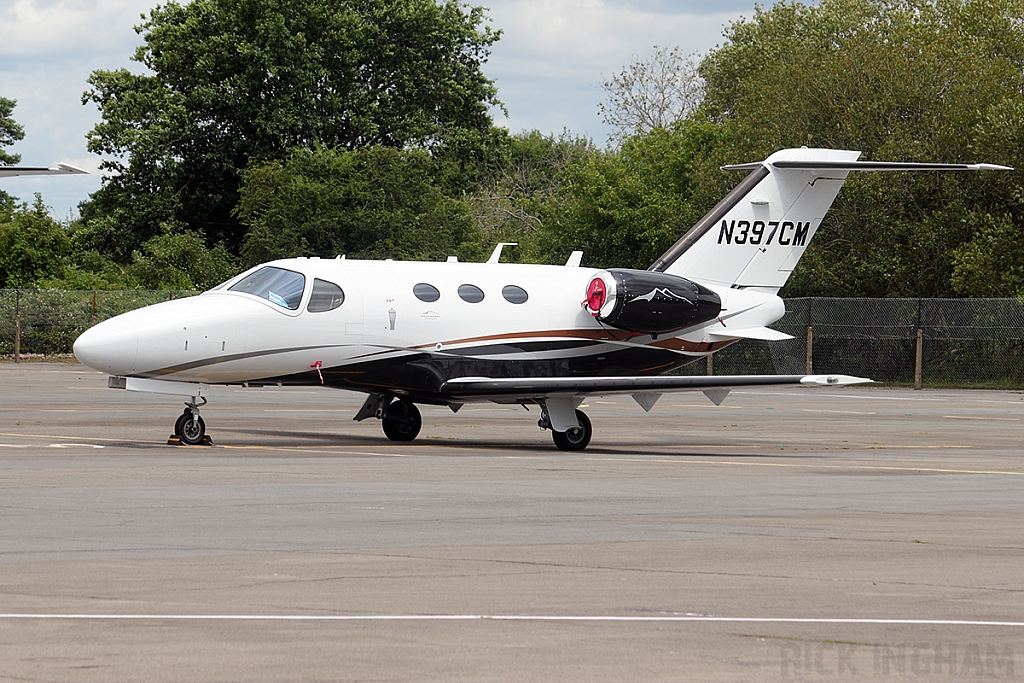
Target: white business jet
pixel 453 333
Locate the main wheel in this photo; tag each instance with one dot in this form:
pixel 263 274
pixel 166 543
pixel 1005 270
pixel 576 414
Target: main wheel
pixel 574 439
pixel 401 421
pixel 188 430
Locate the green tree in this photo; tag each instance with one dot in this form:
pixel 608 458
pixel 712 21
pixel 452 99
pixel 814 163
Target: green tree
pixel 626 207
pixel 234 83
pixel 33 246
pixel 376 202
pixel 901 80
pixel 181 261
pixel 522 186
pixel 10 132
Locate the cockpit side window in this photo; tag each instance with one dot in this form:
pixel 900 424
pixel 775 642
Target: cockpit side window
pixel 276 285
pixel 326 296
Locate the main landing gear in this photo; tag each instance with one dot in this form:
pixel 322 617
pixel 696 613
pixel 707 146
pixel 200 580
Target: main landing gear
pixel 401 420
pixel 573 439
pixel 398 416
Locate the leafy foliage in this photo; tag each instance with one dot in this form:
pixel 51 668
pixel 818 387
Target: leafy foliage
pixel 377 202
pixel 10 132
pixel 626 207
pixel 233 83
pixel 32 246
pixel 900 80
pixel 181 262
pixel 523 188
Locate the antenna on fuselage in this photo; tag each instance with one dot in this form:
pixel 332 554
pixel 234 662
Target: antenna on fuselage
pixel 496 254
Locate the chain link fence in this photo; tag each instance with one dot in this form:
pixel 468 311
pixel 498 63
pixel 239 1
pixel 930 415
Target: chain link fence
pixel 963 342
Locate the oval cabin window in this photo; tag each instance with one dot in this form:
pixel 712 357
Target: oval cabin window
pixel 471 293
pixel 326 296
pixel 514 294
pixel 425 292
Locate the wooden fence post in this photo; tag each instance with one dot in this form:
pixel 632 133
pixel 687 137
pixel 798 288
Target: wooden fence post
pixel 809 365
pixel 918 359
pixel 919 352
pixel 17 326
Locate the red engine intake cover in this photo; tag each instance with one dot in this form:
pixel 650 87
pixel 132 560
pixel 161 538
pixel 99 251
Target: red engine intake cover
pixel 597 290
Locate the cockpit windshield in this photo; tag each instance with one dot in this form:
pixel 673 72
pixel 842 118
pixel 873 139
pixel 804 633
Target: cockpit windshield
pixel 276 285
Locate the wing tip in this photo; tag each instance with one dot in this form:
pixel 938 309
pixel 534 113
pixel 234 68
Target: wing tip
pixel 833 380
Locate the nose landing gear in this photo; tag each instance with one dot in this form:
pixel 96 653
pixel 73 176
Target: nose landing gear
pixel 189 428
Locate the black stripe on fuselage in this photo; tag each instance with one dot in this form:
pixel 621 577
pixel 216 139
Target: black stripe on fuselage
pixel 522 347
pixel 420 376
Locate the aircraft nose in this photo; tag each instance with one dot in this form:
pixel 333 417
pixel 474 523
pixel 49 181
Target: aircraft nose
pixel 110 346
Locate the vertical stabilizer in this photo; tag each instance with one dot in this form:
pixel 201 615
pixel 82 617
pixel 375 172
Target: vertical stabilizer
pixel 756 235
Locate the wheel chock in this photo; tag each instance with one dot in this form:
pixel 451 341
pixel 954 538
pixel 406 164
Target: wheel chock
pixel 175 440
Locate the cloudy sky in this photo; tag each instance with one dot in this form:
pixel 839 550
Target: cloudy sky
pixel 548 65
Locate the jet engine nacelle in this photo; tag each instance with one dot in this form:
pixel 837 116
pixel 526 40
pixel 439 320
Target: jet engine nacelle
pixel 646 302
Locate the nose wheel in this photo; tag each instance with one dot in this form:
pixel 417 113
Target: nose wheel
pixel 189 428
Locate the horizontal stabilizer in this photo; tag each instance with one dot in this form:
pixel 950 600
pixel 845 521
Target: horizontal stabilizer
pixel 765 333
pixel 823 165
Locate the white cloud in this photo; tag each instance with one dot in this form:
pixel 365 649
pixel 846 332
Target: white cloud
pixel 548 65
pixel 553 57
pixel 48 48
pixel 48 28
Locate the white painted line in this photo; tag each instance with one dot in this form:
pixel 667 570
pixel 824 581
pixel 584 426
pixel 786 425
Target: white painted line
pixel 511 617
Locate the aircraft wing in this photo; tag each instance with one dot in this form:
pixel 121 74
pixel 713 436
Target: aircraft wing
pixel 486 388
pixel 59 169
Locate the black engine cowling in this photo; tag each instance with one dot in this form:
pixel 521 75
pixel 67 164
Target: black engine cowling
pixel 649 303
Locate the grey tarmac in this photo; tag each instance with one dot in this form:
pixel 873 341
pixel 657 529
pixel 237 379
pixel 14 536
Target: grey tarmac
pixel 681 545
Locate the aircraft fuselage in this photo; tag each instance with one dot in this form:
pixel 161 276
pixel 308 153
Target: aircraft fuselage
pixel 485 320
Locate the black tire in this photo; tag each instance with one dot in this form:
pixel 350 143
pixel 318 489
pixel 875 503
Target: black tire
pixel 192 431
pixel 574 439
pixel 187 415
pixel 401 421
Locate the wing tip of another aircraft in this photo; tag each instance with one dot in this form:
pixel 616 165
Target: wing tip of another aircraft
pixel 60 169
pixel 70 170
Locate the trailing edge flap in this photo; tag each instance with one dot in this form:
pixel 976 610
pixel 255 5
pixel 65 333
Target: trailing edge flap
pixel 765 333
pixel 532 388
